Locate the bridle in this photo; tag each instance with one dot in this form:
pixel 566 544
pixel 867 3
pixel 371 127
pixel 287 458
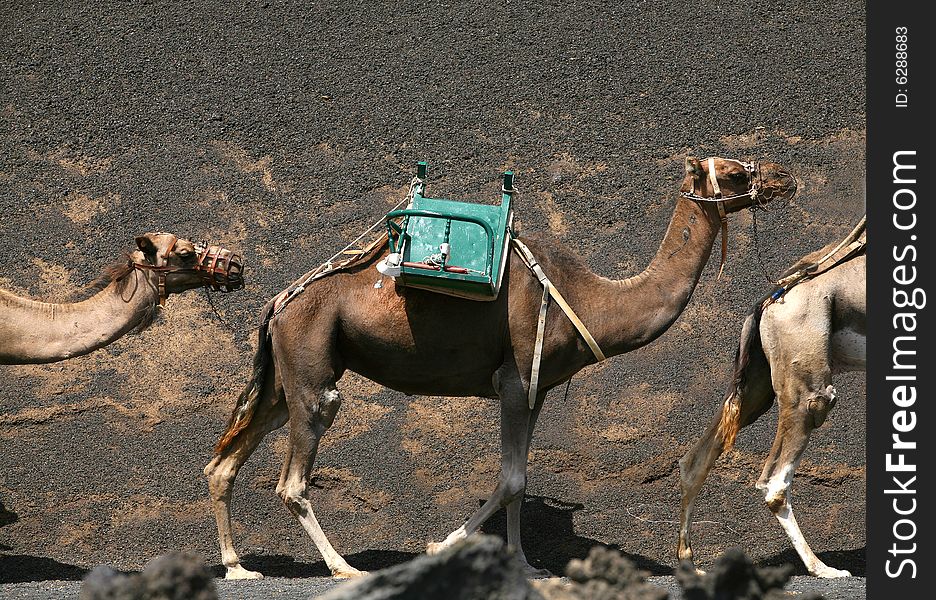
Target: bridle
pixel 217 267
pixel 754 193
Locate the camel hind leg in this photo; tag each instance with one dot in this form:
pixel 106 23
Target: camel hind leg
pixel 222 471
pixel 756 398
pixel 313 401
pixel 754 395
pixel 797 344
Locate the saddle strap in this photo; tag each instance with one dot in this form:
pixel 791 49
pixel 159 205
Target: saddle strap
pixel 549 291
pixel 354 256
pixel 853 244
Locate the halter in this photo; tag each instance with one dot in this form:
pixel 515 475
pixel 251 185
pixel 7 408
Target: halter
pixel 218 268
pixel 753 192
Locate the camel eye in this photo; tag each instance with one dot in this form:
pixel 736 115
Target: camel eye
pixel 738 177
pixel 184 253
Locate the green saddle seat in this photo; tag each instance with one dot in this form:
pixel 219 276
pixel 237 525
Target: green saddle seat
pixel 451 247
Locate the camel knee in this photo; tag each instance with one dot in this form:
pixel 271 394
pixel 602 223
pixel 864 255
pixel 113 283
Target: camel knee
pixel 219 477
pixel 776 488
pixel 292 493
pixel 687 469
pixel 776 503
pixel 775 495
pixel 818 405
pixel 513 486
pixel 328 406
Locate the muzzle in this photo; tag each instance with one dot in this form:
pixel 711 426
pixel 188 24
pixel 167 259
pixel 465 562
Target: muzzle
pixel 219 268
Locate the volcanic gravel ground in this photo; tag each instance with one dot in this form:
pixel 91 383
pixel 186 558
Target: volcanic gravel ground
pixel 284 129
pixel 851 588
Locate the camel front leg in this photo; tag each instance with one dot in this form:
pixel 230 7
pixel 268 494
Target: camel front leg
pixel 221 473
pixel 515 507
pixel 511 485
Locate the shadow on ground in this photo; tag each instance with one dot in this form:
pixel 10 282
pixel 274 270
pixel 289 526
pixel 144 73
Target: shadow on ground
pixel 7 516
pixel 20 568
pixel 549 539
pixel 280 565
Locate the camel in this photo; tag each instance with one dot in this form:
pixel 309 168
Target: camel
pixel 123 298
pixel 419 342
pixel 792 342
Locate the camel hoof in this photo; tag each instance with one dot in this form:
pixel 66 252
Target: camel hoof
pixel 435 547
pixel 239 572
pixel 348 572
pixel 829 573
pixel 532 572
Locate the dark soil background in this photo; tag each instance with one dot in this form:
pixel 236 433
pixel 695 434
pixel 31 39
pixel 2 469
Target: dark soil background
pixel 283 129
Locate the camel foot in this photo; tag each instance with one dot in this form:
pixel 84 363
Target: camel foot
pixel 348 572
pixel 532 572
pixel 828 572
pixel 239 572
pixel 452 539
pixel 435 547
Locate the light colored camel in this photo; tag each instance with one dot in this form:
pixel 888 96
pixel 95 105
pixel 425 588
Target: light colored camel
pixel 788 351
pixel 126 297
pixel 420 342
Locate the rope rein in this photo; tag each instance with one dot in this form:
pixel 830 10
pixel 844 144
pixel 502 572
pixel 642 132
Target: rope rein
pixel 328 266
pixel 757 250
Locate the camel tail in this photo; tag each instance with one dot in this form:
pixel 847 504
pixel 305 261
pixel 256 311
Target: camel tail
pixel 730 422
pixel 249 398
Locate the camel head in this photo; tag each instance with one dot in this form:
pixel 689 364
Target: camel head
pixel 182 265
pixel 734 183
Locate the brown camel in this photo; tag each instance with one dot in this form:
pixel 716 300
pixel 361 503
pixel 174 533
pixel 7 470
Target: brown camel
pixel 126 297
pixel 789 350
pixel 420 342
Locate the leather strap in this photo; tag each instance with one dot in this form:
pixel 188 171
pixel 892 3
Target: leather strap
pixel 549 290
pixel 538 347
pixel 853 244
pixel 716 193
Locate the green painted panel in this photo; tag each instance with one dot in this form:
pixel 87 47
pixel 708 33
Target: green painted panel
pixel 478 236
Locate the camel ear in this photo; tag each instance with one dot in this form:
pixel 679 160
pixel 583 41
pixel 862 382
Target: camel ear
pixel 694 167
pixel 145 244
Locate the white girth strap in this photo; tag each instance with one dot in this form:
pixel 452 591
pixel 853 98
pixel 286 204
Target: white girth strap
pixel 549 291
pixel 716 193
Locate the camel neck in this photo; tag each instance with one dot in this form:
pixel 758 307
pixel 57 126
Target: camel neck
pixel 645 305
pixel 42 332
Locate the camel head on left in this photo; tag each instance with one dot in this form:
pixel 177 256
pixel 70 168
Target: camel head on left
pixel 180 264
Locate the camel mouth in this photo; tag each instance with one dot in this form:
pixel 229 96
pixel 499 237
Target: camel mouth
pixel 780 185
pixel 790 184
pixel 220 268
